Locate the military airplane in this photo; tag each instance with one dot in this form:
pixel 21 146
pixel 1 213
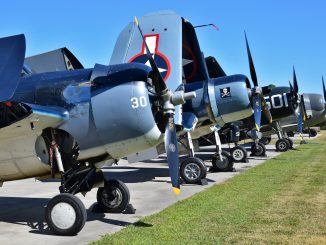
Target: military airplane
pixel 282 101
pixel 316 110
pixel 68 124
pixel 173 42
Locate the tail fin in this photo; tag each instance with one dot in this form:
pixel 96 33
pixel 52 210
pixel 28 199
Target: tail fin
pixel 12 54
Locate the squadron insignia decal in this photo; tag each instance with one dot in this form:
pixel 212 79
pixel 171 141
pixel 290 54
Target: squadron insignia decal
pixel 225 92
pixel 160 59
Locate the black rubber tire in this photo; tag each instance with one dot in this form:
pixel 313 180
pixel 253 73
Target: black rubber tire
pixel 226 165
pixel 114 197
pixel 239 154
pixel 290 141
pixel 265 140
pixel 258 151
pixel 312 132
pixel 80 211
pixel 196 164
pixel 282 145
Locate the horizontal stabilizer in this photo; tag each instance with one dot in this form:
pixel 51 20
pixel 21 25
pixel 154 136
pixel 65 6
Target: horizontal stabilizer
pixel 57 60
pixel 12 54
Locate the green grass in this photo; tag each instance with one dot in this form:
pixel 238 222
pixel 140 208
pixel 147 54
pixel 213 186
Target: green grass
pixel 280 202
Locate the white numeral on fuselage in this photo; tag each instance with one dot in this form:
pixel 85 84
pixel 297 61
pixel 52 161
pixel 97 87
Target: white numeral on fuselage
pixel 279 103
pixel 136 102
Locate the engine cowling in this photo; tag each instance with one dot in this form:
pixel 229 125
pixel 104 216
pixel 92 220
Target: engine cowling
pixel 229 98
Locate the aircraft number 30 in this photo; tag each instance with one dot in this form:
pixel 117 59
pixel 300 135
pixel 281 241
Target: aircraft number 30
pixel 136 102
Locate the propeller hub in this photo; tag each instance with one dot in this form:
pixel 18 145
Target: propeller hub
pixel 257 90
pixel 180 97
pixel 172 99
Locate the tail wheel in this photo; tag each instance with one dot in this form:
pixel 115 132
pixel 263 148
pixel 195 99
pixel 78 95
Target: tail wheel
pixel 282 145
pixel 114 197
pixel 192 170
pixel 65 215
pixel 258 150
pixel 225 165
pixel 239 154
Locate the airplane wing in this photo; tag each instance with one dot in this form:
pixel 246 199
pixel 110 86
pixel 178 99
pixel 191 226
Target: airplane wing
pixel 57 60
pixel 37 119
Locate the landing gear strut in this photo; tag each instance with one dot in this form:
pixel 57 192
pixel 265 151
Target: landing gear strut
pixel 192 170
pixel 238 153
pixel 282 144
pixel 221 160
pixel 65 214
pixel 258 149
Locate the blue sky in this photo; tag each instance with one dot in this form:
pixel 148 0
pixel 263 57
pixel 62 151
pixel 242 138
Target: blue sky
pixel 281 33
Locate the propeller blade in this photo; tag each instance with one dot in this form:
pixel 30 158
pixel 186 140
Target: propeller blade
pixel 266 111
pixel 257 110
pixel 295 82
pixel 159 81
pixel 324 89
pixel 291 87
pixel 298 115
pixel 251 65
pixel 171 149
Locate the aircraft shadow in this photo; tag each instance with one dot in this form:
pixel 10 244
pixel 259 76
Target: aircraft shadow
pixel 30 212
pixel 136 175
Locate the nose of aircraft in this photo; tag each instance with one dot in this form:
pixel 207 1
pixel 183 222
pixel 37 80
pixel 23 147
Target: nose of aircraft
pixel 315 106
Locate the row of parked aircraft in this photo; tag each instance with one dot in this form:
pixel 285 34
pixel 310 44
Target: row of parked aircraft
pixel 158 94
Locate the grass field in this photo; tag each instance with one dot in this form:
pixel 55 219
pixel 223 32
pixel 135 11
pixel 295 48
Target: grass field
pixel 280 202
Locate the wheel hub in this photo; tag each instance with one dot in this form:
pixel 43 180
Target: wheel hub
pixel 282 145
pixel 192 171
pixel 112 198
pixel 258 150
pixel 63 215
pixel 238 154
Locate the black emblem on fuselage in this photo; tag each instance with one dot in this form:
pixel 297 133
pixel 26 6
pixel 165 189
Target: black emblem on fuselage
pixel 225 92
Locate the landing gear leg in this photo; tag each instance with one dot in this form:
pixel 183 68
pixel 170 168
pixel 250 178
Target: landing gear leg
pixel 193 169
pixel 221 160
pixel 65 213
pixel 258 149
pixel 282 144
